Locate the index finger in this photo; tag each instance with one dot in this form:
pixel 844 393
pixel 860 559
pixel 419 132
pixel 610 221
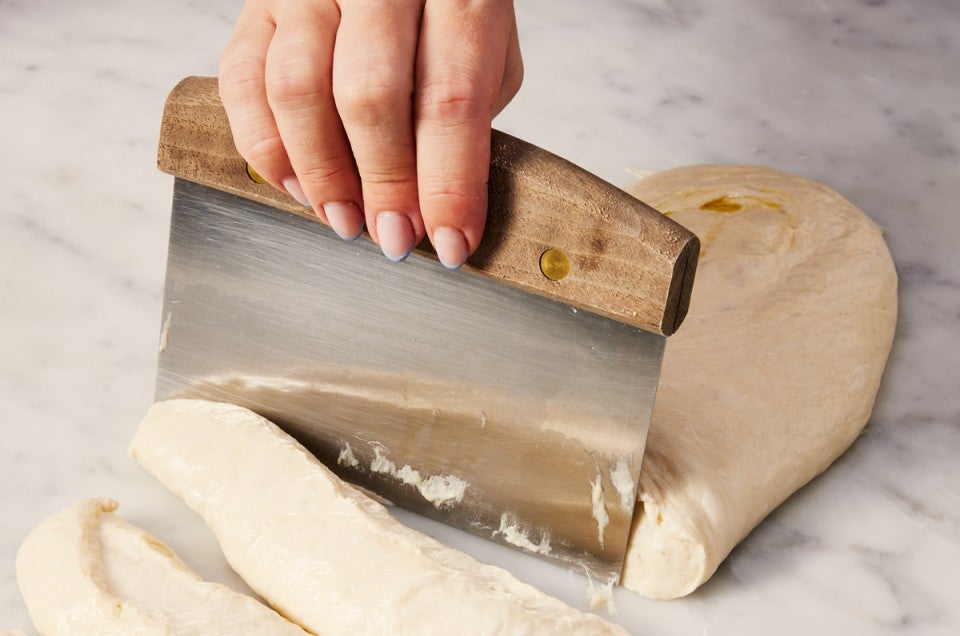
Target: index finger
pixel 460 64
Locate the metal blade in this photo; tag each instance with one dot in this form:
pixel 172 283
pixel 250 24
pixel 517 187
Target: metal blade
pixel 504 413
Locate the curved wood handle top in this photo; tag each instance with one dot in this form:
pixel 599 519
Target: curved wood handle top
pixel 617 256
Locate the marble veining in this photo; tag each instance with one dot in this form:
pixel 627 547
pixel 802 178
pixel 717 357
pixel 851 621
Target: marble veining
pixel 860 94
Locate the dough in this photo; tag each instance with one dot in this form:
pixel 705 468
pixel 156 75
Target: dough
pixel 773 374
pixel 86 571
pixel 325 555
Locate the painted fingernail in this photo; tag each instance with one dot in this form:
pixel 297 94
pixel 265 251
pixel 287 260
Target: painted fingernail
pixel 451 246
pixel 345 218
pixel 292 186
pixel 396 235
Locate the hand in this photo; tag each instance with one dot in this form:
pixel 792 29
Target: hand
pixel 375 111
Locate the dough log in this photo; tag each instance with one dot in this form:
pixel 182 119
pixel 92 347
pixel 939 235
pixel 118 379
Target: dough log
pixel 775 371
pixel 86 571
pixel 323 554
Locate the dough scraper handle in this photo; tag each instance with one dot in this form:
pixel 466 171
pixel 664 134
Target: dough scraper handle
pixel 553 229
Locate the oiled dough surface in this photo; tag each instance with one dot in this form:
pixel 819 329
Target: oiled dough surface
pixel 774 372
pixel 84 570
pixel 325 555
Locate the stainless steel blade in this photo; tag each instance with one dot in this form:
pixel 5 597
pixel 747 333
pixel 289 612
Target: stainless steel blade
pixel 509 415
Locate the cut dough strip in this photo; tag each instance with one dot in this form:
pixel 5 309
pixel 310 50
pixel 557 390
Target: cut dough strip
pixel 774 372
pixel 321 552
pixel 86 571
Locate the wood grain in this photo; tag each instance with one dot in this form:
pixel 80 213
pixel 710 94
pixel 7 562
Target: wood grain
pixel 627 261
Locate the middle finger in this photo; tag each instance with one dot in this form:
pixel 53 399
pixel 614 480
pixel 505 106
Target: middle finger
pixel 373 67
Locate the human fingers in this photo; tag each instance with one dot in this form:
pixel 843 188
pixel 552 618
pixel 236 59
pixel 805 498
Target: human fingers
pixel 461 62
pixel 244 98
pixel 372 85
pixel 298 78
pixel 512 71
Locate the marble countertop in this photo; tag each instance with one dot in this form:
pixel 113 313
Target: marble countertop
pixel 862 95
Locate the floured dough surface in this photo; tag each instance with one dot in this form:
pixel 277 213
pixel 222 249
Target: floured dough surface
pixel 774 372
pixel 86 571
pixel 325 555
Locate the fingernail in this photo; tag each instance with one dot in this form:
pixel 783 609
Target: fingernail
pixel 396 235
pixel 345 218
pixel 451 246
pixel 292 186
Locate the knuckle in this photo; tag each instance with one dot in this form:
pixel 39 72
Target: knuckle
pixel 259 151
pixel 460 192
pixel 240 79
pixel 368 98
pixel 324 173
pixel 451 103
pixel 293 82
pixel 389 176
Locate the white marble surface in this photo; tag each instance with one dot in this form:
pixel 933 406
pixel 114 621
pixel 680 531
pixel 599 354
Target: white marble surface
pixel 862 95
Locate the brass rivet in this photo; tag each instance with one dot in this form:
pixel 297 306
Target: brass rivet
pixel 554 264
pixel 253 175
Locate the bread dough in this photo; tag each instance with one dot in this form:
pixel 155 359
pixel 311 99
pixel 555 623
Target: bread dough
pixel 363 407
pixel 773 374
pixel 86 571
pixel 325 555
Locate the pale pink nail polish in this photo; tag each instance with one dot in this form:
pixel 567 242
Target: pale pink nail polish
pixel 396 235
pixel 451 245
pixel 292 186
pixel 345 218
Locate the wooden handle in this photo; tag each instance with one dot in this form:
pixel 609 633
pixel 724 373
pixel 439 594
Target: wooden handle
pixel 609 253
